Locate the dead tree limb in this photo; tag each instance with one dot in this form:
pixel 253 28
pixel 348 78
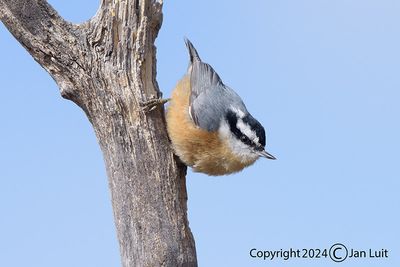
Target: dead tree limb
pixel 107 66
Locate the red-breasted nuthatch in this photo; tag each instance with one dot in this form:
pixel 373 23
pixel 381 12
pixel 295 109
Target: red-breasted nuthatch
pixel 209 125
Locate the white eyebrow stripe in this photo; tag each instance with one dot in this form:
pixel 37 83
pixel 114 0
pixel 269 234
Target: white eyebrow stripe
pixel 246 130
pixel 238 112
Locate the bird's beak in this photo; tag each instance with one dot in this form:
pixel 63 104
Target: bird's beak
pixel 265 154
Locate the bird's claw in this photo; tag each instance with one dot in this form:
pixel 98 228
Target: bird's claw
pixel 152 104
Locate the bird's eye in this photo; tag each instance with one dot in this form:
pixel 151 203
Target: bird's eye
pixel 243 138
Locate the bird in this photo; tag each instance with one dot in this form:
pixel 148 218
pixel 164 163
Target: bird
pixel 208 124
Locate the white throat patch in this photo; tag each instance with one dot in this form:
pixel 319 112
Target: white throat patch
pixel 237 147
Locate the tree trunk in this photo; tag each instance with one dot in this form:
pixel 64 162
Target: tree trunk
pixel 107 67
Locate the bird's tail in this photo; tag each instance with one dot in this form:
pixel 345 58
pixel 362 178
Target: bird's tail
pixel 194 56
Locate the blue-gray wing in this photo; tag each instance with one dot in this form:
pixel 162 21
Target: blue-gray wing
pixel 210 99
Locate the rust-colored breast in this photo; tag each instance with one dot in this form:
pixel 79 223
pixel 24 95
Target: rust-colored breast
pixel 202 150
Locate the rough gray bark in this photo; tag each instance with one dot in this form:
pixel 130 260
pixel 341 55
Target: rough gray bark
pixel 107 67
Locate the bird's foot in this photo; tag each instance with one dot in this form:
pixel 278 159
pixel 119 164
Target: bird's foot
pixel 152 104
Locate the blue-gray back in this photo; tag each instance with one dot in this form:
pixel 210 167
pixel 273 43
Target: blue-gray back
pixel 210 99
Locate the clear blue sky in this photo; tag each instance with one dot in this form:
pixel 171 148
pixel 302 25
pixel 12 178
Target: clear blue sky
pixel 322 76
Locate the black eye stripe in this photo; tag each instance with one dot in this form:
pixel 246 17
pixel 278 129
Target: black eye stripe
pixel 257 127
pixel 232 120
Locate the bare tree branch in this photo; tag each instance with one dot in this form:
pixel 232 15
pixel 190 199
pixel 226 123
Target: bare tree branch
pixel 39 28
pixel 107 66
